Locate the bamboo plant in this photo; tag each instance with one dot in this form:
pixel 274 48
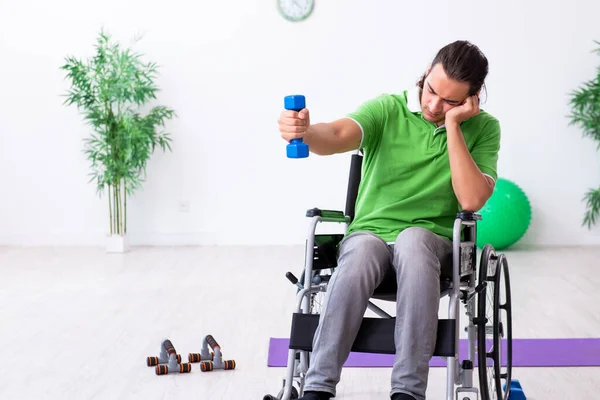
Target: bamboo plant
pixel 110 89
pixel 585 113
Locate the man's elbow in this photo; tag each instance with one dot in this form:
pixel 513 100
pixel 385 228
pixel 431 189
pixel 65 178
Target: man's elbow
pixel 472 205
pixel 475 202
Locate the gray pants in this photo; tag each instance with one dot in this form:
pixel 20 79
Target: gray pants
pixel 365 260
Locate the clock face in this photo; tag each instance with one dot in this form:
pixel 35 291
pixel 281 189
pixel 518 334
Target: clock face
pixel 295 10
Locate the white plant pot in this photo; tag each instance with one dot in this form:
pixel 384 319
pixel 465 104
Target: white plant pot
pixel 117 244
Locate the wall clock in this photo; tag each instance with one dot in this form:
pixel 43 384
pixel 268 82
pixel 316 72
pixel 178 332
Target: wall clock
pixel 295 10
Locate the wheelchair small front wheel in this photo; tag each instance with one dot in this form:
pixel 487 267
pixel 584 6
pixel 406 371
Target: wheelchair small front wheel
pixel 494 326
pixel 293 396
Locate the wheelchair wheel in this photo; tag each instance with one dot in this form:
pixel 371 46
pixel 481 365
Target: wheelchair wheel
pixel 494 326
pixel 316 300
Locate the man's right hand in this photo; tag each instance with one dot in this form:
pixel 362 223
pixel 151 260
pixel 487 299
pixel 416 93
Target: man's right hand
pixel 294 124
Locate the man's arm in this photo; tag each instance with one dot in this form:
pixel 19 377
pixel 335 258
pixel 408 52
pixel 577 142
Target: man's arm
pixel 325 138
pixel 361 128
pixel 334 137
pixel 472 187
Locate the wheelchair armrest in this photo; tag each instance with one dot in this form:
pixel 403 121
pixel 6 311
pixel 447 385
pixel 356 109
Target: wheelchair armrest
pixel 327 215
pixel 468 216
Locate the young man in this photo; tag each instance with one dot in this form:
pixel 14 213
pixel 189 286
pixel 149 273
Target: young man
pixel 428 152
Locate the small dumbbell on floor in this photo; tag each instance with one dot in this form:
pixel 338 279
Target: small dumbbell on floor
pixel 173 360
pixel 163 357
pixel 204 354
pixel 213 360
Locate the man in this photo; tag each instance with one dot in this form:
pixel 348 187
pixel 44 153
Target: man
pixel 428 153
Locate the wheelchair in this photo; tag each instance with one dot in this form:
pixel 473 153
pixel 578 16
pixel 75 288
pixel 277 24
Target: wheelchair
pixel 484 291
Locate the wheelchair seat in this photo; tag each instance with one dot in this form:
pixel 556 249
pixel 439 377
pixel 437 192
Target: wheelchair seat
pixel 387 289
pixel 325 255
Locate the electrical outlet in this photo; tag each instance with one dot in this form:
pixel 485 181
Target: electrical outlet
pixel 183 206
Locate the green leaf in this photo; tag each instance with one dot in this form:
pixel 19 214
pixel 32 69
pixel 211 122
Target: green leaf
pixel 593 207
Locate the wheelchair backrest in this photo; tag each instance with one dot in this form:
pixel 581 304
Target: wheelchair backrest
pixel 353 184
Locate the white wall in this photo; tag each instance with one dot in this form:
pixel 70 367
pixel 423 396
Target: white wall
pixel 227 66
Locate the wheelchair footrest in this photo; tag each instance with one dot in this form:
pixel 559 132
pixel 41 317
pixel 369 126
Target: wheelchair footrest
pixel 375 335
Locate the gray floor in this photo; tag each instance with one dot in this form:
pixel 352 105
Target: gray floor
pixel 77 323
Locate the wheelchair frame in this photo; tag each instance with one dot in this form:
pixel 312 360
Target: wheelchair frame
pixel 376 335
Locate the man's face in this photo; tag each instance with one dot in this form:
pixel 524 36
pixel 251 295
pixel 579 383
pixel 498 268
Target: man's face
pixel 440 94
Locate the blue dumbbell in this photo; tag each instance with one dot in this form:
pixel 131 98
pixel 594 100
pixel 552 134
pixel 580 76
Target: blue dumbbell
pixel 296 148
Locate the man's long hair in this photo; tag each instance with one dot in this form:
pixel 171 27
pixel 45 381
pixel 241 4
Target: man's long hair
pixel 463 62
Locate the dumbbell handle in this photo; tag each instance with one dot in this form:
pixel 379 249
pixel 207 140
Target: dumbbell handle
pixel 169 347
pixel 212 342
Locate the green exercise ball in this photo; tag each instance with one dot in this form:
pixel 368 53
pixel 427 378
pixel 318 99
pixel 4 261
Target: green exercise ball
pixel 505 216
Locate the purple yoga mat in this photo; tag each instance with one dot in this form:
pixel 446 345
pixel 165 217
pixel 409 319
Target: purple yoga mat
pixel 526 353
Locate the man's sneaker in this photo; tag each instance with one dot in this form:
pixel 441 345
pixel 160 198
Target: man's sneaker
pixel 316 396
pixel 402 396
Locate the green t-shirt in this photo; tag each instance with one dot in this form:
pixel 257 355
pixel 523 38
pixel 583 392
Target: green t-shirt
pixel 406 179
